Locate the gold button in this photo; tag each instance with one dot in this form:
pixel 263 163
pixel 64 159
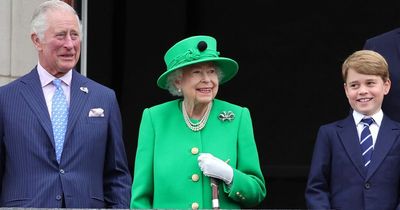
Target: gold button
pixel 195 177
pixel 195 205
pixel 195 150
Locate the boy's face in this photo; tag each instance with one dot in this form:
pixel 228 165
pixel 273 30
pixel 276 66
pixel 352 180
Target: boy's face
pixel 365 92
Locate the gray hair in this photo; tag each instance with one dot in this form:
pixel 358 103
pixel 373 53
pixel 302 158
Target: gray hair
pixel 175 75
pixel 39 22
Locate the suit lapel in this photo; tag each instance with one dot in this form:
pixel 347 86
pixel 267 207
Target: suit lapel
pixel 349 138
pixel 31 91
pixel 387 135
pixel 78 99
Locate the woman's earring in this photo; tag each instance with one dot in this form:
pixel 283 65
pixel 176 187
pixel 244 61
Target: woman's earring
pixel 179 90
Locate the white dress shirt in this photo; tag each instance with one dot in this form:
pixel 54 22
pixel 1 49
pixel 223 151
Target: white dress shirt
pixel 374 127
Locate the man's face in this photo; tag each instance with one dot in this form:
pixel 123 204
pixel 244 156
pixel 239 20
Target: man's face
pixel 59 50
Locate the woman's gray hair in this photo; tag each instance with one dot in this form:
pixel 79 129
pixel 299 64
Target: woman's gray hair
pixel 176 75
pixel 39 22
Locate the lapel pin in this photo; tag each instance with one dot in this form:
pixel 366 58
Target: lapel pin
pixel 84 89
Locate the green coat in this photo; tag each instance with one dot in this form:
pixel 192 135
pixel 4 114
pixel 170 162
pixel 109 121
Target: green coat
pixel 167 174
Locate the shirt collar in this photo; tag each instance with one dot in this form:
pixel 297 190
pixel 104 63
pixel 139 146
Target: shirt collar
pixel 46 78
pixel 377 117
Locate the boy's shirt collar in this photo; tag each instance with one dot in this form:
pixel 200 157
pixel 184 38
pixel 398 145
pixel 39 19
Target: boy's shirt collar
pixel 377 117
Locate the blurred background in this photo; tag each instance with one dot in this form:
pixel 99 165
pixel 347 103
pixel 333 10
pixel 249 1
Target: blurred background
pixel 289 54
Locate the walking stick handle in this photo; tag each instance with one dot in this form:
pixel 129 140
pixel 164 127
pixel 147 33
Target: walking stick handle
pixel 214 187
pixel 215 193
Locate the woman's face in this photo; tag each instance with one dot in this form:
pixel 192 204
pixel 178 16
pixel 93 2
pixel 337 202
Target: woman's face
pixel 199 83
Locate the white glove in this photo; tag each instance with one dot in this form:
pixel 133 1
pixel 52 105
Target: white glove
pixel 214 167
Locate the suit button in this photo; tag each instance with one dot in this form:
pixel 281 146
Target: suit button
pixel 62 171
pixel 367 185
pixel 195 150
pixel 195 177
pixel 195 205
pixel 58 197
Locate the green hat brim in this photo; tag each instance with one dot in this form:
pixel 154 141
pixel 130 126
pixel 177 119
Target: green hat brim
pixel 228 67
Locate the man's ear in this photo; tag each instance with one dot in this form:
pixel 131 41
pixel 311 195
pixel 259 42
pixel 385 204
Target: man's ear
pixel 36 41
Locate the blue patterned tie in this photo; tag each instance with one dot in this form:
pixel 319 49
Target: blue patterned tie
pixel 59 117
pixel 366 141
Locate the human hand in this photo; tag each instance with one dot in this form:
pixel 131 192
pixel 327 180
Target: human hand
pixel 215 167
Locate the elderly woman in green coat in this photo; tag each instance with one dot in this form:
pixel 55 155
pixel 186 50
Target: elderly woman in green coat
pixel 185 143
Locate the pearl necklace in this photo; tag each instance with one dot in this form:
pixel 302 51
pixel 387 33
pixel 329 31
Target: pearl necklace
pixel 199 125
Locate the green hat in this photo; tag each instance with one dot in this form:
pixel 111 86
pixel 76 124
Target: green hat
pixel 196 49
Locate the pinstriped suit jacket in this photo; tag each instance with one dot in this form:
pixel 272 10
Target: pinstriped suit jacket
pixel 93 171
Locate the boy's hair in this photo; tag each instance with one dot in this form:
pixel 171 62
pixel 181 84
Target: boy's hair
pixel 366 62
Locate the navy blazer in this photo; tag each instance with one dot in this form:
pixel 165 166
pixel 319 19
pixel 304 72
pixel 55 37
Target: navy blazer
pixel 388 45
pixel 93 171
pixel 338 178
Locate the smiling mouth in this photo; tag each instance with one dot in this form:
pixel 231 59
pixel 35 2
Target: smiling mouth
pixel 204 90
pixel 364 99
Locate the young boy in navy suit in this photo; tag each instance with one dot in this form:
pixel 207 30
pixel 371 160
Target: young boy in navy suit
pixel 348 172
